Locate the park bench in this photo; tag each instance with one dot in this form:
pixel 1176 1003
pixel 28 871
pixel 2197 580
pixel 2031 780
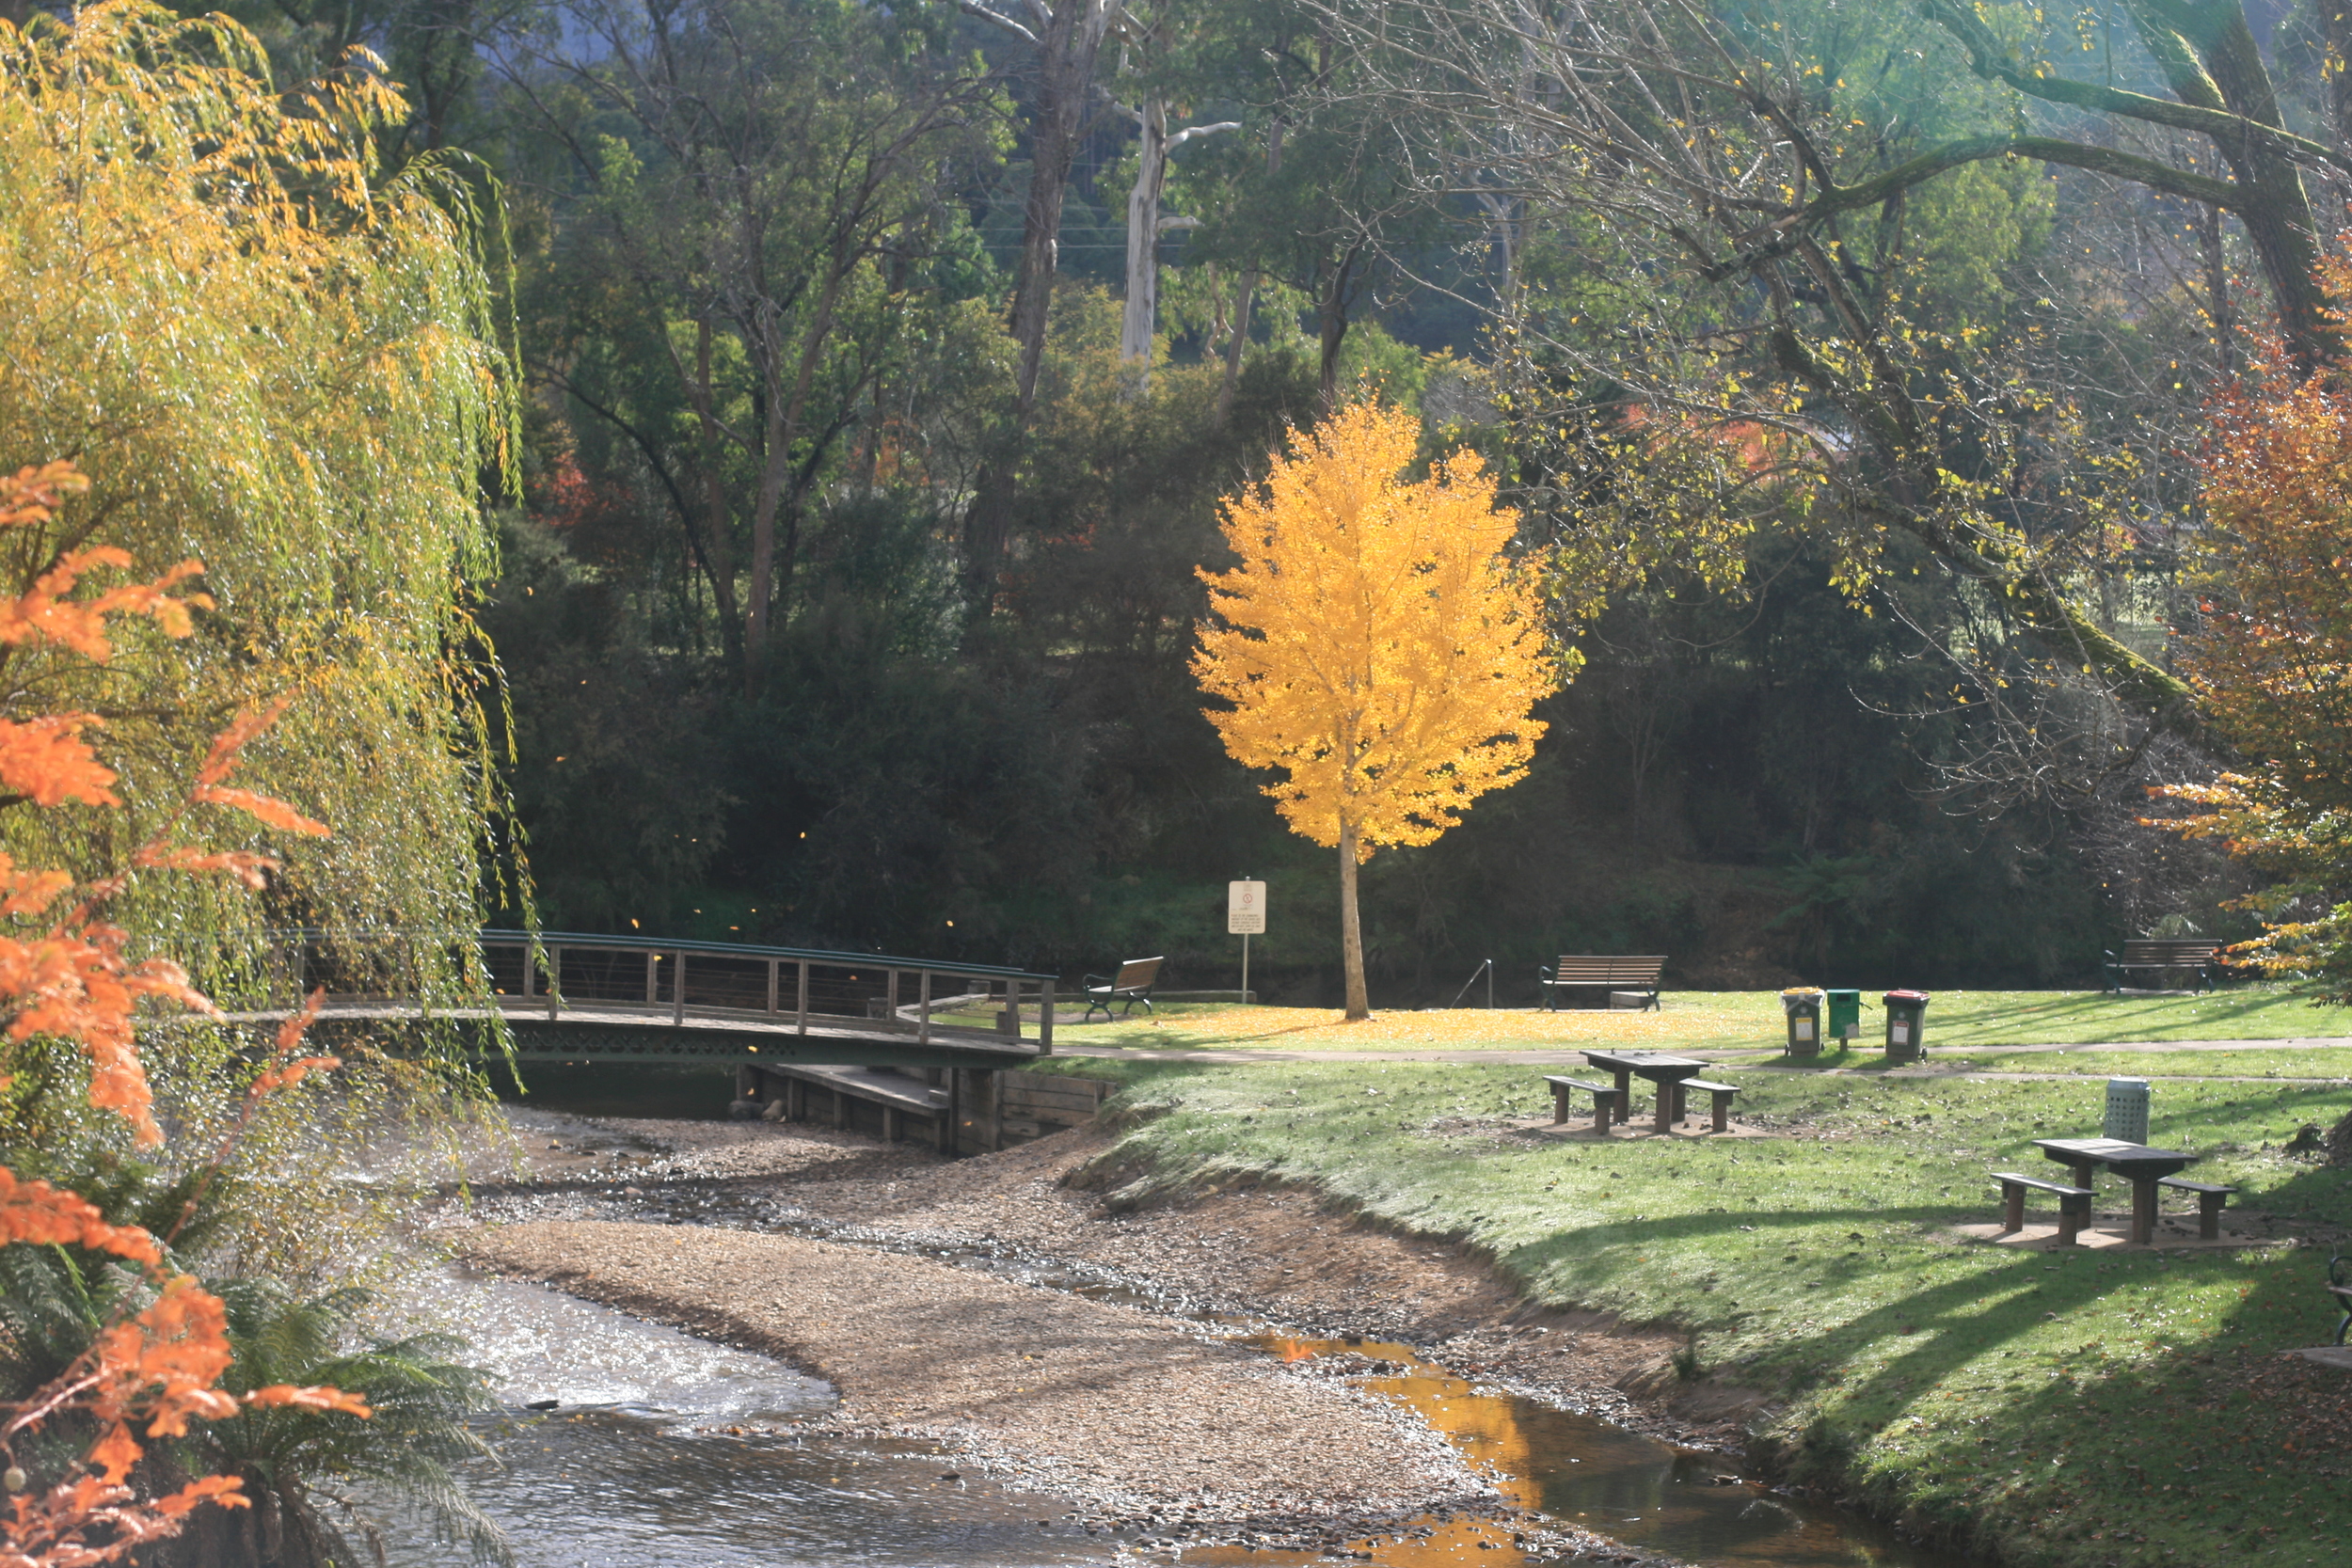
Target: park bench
pixel 1131 985
pixel 2073 1204
pixel 2209 1200
pixel 1721 1095
pixel 1604 1100
pixel 2164 958
pixel 1628 981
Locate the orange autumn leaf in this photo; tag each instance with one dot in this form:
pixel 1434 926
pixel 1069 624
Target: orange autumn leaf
pixel 30 497
pixel 47 761
pixel 311 1399
pixel 78 986
pixel 44 612
pixel 28 892
pixel 225 1490
pixel 222 759
pixel 271 812
pixel 162 1365
pixel 45 1215
pixel 246 867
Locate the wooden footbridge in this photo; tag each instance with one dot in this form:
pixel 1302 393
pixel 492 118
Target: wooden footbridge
pixel 565 996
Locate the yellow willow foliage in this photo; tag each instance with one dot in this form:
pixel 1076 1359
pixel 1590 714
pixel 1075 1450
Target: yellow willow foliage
pixel 270 355
pixel 1376 641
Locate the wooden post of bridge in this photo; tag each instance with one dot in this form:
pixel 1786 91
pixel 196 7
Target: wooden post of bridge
pixel 804 1007
pixel 923 1009
pixel 773 965
pixel 677 982
pixel 555 980
pixel 1046 1017
pixel 653 978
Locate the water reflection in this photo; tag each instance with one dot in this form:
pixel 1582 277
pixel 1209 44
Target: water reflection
pixel 1587 1472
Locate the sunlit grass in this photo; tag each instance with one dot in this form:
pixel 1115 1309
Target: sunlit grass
pixel 1722 1020
pixel 2050 1406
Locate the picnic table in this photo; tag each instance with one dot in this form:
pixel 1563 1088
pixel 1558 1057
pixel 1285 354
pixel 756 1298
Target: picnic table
pixel 1658 1067
pixel 2138 1163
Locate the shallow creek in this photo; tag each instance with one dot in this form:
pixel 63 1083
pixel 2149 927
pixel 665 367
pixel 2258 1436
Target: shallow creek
pixel 650 1445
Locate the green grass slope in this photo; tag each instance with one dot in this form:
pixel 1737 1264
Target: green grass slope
pixel 2072 1409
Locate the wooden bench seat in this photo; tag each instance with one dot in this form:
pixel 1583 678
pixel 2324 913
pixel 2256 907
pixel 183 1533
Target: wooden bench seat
pixel 2209 1200
pixel 2165 958
pixel 2073 1204
pixel 1604 1100
pixel 1632 977
pixel 1721 1095
pixel 1131 985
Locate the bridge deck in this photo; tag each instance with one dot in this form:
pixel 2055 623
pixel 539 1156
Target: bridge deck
pixel 569 996
pixel 621 1034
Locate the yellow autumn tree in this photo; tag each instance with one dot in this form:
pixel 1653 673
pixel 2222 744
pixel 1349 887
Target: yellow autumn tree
pixel 1377 642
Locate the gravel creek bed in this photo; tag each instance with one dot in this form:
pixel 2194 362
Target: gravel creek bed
pixel 912 1283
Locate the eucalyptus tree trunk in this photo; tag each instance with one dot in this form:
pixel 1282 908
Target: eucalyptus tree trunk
pixel 1067 49
pixel 1145 226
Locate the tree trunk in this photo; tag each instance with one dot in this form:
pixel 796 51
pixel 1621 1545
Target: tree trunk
pixel 2226 71
pixel 715 547
pixel 1332 318
pixel 1066 53
pixel 1351 929
pixel 1240 344
pixel 1142 311
pixel 771 570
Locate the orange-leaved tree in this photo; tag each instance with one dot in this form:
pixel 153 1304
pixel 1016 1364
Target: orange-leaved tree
pixel 157 1365
pixel 1379 643
pixel 2271 656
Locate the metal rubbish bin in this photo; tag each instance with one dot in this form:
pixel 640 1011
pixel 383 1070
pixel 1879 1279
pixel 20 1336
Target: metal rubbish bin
pixel 2127 1110
pixel 1845 1015
pixel 1803 1007
pixel 1905 1010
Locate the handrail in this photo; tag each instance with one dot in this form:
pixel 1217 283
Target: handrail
pixel 544 961
pixel 638 939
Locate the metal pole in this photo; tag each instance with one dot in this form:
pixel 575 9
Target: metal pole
pixel 1490 985
pixel 1245 967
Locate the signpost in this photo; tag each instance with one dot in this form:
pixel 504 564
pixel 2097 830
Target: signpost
pixel 1245 917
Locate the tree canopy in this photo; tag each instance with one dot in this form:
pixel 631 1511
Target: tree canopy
pixel 1377 642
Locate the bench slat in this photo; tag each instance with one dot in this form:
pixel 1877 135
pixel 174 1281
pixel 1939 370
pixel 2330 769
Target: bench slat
pixel 1711 1089
pixel 2186 1186
pixel 2010 1178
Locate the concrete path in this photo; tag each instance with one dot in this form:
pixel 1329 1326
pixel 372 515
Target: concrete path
pixel 1568 1056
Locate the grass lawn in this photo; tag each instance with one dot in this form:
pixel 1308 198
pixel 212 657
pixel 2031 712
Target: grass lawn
pixel 2057 1408
pixel 1726 1021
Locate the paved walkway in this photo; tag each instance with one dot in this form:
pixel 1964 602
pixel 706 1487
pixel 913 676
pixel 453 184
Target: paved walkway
pixel 1574 1056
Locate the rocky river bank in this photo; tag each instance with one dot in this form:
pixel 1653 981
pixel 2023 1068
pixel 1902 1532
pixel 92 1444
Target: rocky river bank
pixel 1126 1397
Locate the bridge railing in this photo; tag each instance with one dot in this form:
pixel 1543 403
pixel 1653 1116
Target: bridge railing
pixel 801 988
